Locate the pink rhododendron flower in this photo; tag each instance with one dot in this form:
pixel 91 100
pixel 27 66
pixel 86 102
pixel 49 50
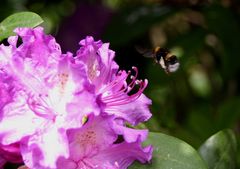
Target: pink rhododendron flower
pixel 94 146
pixel 60 111
pixel 112 88
pixel 45 89
pixel 111 85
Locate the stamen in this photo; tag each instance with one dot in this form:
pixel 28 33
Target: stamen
pixel 122 95
pixel 134 77
pixel 127 99
pixel 116 82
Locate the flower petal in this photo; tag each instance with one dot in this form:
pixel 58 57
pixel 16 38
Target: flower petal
pixel 136 111
pixel 95 135
pixel 83 104
pixel 2 162
pixel 122 156
pixel 51 145
pixel 130 135
pixel 99 60
pixel 18 120
pixel 11 153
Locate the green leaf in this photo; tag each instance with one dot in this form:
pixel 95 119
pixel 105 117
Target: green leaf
pixel 220 150
pixel 171 153
pixel 21 19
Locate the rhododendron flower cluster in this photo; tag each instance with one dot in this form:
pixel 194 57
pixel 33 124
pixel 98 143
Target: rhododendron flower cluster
pixel 69 111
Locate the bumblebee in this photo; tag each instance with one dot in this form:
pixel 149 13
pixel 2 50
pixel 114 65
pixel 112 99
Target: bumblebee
pixel 163 57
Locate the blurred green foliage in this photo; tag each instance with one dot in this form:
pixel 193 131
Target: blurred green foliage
pixel 203 96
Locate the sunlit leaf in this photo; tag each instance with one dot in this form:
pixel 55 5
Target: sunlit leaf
pixel 220 150
pixel 21 19
pixel 171 153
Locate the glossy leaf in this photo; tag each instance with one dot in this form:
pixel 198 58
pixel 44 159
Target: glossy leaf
pixel 21 19
pixel 171 153
pixel 220 150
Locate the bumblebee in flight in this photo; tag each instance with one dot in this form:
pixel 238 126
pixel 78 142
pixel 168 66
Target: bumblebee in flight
pixel 162 56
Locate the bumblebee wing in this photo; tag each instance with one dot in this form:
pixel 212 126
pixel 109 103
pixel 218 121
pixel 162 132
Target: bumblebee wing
pixel 145 52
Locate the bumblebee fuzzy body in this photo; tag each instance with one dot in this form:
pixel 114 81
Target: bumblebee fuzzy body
pixel 163 57
pixel 168 61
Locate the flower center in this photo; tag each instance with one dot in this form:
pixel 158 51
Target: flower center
pixel 53 104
